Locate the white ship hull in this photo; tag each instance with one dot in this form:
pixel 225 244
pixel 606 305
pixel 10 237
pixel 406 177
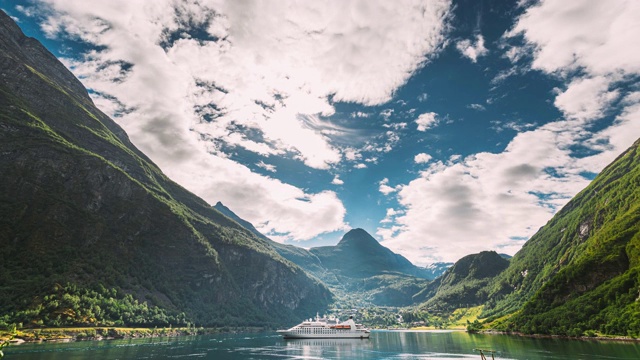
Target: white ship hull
pixel 293 334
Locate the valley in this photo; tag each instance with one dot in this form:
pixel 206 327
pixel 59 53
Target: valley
pixel 94 235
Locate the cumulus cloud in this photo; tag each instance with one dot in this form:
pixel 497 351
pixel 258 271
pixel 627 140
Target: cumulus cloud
pixel 389 217
pixel 472 50
pixel 337 181
pixel 568 35
pixel 426 121
pixel 385 189
pixel 422 158
pixel 485 200
pixel 189 79
pixel 585 98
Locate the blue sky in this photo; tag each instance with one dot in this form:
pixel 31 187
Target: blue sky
pixel 442 128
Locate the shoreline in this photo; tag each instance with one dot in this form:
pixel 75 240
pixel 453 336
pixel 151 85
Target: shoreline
pixel 53 335
pixel 536 336
pixel 69 334
pixel 562 337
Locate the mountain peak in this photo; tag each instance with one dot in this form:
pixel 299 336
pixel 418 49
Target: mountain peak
pixel 358 237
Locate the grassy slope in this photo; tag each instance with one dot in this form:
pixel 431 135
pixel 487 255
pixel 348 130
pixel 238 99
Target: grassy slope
pixel 464 283
pixel 580 272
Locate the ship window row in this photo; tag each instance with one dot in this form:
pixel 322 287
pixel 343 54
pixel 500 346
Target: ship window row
pixel 316 331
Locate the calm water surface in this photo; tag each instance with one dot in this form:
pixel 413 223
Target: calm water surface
pixel 381 345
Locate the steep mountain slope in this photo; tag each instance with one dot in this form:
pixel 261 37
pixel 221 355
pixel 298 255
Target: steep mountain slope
pixel 463 284
pixel 92 232
pixel 296 255
pixel 581 271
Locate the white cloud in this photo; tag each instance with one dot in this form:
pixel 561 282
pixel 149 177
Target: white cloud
pixel 360 166
pixel 360 114
pixel 337 181
pixel 422 158
pixel 268 167
pixel 385 188
pixel 389 218
pixel 477 107
pixel 585 98
pixel 595 35
pixel 352 154
pixel 386 113
pixel 396 126
pixel 426 121
pixel 270 68
pixel 472 50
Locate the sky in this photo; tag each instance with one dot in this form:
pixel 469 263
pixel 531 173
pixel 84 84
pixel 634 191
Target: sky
pixel 443 128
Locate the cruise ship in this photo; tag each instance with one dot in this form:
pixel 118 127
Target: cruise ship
pixel 323 328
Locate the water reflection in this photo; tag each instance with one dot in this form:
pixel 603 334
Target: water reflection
pixel 328 348
pixel 405 345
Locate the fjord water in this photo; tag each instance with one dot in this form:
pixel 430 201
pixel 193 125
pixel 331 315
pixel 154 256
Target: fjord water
pixel 381 345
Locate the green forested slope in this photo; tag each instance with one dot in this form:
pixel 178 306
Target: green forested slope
pixel 92 232
pixel 580 272
pixel 463 284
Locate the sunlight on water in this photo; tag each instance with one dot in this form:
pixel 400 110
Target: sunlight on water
pixel 391 345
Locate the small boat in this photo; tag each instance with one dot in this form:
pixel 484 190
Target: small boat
pixel 323 328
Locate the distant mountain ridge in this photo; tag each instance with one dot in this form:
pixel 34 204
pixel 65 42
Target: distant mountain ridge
pixel 436 270
pixel 93 233
pixel 356 253
pixel 357 269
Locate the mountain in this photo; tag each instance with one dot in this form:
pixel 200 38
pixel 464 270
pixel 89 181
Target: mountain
pixel 92 232
pixel 581 271
pixel 358 270
pixel 464 283
pixel 358 254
